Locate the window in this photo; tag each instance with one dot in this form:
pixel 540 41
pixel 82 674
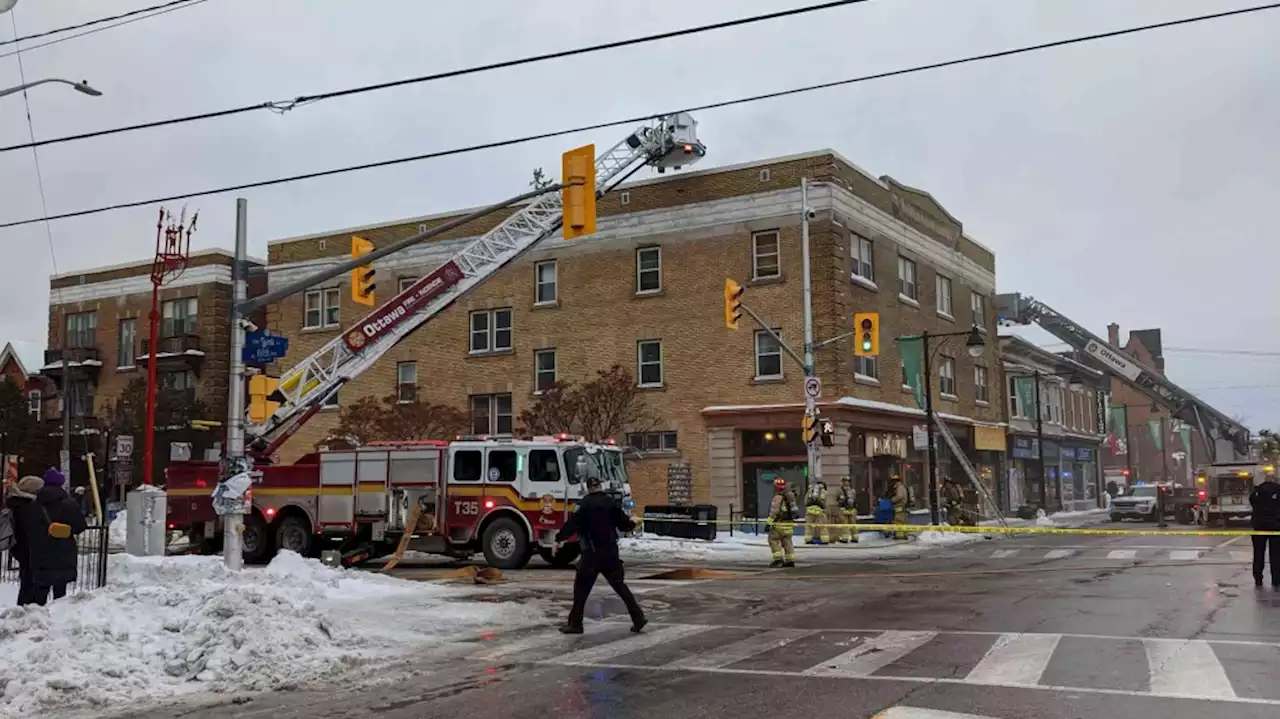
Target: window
pixel 544 465
pixel 330 402
pixel 1015 406
pixel 544 281
pixel 127 345
pixel 81 396
pixel 947 377
pixel 491 414
pixel 649 363
pixel 624 198
pixel 978 304
pixel 466 465
pixel 907 279
pixel 764 255
pixel 862 255
pixel 544 370
pixel 653 441
pixel 980 390
pixel 503 460
pixel 406 381
pixel 321 308
pixel 34 400
pixel 81 329
pixel 764 175
pixel 866 367
pixel 405 283
pixel 178 317
pixel 768 356
pixel 943 285
pixel 183 382
pixel 649 269
pixel 490 331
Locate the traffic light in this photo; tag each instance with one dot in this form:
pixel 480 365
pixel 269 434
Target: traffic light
pixel 362 283
pixel 261 406
pixel 732 303
pixel 809 427
pixel 866 329
pixel 578 168
pixel 827 432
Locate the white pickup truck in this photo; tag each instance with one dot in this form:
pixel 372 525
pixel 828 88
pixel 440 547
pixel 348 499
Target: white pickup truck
pixel 1222 490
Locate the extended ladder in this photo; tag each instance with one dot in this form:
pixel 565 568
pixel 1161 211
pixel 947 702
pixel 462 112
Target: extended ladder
pixel 969 471
pixel 669 141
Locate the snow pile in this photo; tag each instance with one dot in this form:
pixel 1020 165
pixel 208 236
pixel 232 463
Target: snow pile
pixel 119 530
pixel 936 537
pixel 166 626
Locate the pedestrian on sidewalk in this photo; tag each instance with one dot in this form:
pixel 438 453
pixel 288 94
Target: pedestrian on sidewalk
pixel 597 521
pixel 21 494
pixel 1265 501
pixel 50 525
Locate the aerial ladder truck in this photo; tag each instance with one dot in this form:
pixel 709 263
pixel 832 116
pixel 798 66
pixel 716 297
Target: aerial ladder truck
pixel 503 496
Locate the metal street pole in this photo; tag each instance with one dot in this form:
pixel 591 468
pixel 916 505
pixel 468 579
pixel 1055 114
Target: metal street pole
pixel 64 456
pixel 813 449
pixel 82 86
pixel 1044 480
pixel 934 518
pixel 234 458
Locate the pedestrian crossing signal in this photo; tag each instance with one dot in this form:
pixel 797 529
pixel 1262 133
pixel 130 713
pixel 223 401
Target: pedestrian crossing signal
pixel 866 327
pixel 732 303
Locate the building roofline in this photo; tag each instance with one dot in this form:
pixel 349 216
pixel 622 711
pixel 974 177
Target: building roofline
pixel 147 263
pixel 9 353
pixel 1050 357
pixel 624 186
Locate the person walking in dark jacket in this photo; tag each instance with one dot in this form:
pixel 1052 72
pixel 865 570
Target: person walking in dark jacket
pixel 597 521
pixel 22 494
pixel 1265 500
pixel 52 558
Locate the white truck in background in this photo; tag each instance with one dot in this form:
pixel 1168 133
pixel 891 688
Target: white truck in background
pixel 1223 488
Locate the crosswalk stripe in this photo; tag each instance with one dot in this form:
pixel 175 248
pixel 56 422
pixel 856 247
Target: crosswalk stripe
pixel 745 649
pixel 627 645
pixel 1182 555
pixel 1003 553
pixel 914 713
pixel 1122 554
pixel 1016 659
pixel 1059 553
pixel 1183 666
pixel 872 654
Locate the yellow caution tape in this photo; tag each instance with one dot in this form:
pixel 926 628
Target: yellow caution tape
pixel 1029 529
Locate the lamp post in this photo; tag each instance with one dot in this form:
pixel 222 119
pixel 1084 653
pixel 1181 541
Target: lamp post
pixel 82 86
pixel 1073 381
pixel 975 344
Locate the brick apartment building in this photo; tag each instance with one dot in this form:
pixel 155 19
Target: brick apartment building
pixel 646 292
pixel 1145 443
pixel 99 321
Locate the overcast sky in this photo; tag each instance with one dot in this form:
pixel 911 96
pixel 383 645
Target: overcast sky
pixel 1131 180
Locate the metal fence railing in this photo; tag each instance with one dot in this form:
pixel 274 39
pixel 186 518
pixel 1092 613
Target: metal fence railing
pixel 91 560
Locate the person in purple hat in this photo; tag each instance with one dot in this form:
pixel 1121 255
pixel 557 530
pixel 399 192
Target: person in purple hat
pixel 54 478
pixel 52 558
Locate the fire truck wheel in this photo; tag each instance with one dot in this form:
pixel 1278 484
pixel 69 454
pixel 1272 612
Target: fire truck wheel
pixel 294 534
pixel 256 541
pixel 505 544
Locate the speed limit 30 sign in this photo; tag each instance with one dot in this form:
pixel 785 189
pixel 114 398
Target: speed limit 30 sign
pixel 812 387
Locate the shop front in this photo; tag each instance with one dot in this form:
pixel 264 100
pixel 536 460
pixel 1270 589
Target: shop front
pixel 875 457
pixel 767 455
pixel 988 459
pixel 1079 477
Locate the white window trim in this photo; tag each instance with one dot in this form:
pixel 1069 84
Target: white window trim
pixel 908 301
pixel 401 383
pixel 915 279
pixel 134 363
pixel 755 254
pixel 404 283
pixel 657 289
pixel 986 375
pixel 782 372
pixel 555 369
pixel 938 280
pixel 860 280
pixel 856 240
pixel 624 198
pixel 864 379
pixel 491 331
pixel 639 364
pixel 974 298
pixel 323 294
pixel 948 362
pixel 555 283
pixel 35 404
pixel 333 402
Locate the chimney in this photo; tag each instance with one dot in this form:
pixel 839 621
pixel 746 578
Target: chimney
pixel 1113 334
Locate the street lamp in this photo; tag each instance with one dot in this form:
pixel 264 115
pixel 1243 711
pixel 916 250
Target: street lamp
pixel 7 5
pixel 975 344
pixel 82 86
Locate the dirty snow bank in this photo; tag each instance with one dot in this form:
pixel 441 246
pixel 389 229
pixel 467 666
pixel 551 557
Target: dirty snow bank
pixel 175 625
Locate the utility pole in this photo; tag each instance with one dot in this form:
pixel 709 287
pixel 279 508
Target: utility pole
pixel 234 458
pixel 64 456
pixel 1044 480
pixel 813 449
pixel 926 360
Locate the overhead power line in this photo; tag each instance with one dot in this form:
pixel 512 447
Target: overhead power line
pixel 1211 351
pixel 633 120
pixel 103 28
pixel 140 11
pixel 285 106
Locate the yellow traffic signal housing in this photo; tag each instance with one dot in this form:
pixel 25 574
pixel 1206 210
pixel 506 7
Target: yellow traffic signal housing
pixel 579 193
pixel 810 427
pixel 866 334
pixel 732 303
pixel 362 283
pixel 260 406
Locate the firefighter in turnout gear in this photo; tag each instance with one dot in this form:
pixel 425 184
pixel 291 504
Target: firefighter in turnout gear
pixel 781 524
pixel 901 500
pixel 953 500
pixel 847 511
pixel 815 509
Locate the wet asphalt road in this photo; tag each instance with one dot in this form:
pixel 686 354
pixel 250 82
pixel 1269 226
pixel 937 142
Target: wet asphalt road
pixel 1034 626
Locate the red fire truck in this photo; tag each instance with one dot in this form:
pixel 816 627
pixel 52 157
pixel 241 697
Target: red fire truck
pixel 505 498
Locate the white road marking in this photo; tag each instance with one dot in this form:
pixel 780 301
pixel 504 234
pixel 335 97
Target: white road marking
pixel 1016 659
pixel 1182 555
pixel 536 641
pixel 914 713
pixel 871 655
pixel 1059 553
pixel 1003 553
pixel 626 645
pixel 1122 554
pixel 737 651
pixel 1180 665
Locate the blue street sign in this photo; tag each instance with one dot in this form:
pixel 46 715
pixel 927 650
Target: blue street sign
pixel 261 348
